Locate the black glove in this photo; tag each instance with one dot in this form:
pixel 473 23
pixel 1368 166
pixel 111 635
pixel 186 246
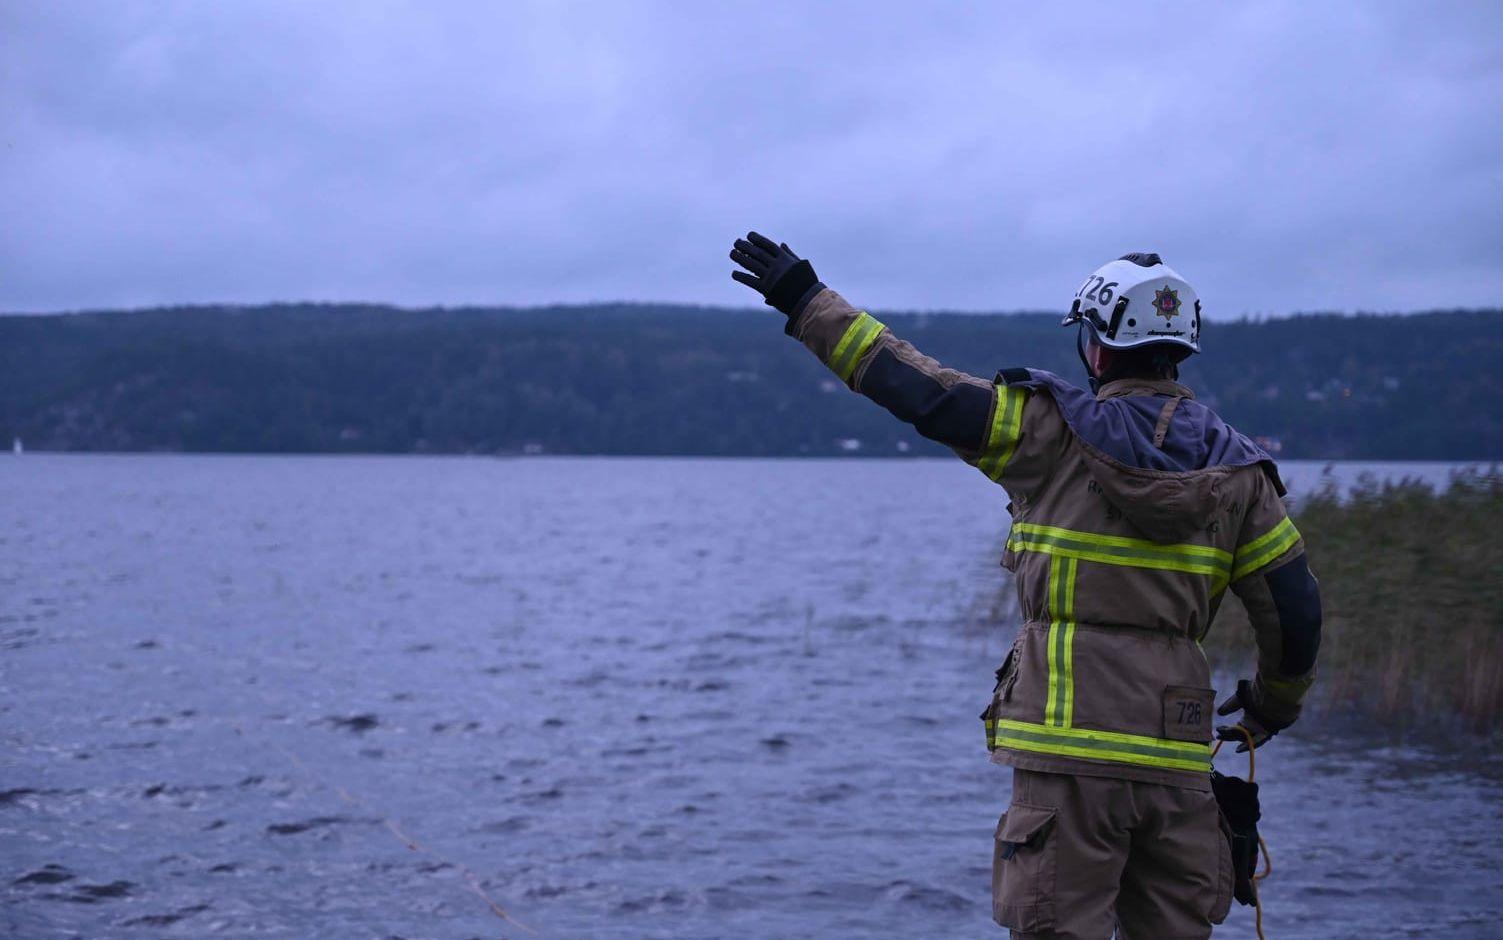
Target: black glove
pixel 1238 801
pixel 1259 724
pixel 776 272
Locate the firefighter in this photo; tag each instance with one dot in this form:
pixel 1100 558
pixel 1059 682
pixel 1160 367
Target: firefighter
pixel 1134 508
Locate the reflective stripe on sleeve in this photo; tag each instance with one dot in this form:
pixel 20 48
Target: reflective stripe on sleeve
pixel 1002 436
pixel 858 338
pixel 1101 745
pixel 1265 548
pixel 1289 689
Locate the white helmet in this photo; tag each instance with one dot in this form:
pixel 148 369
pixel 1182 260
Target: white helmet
pixel 1138 300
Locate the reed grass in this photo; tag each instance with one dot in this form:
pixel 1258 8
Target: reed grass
pixel 1412 588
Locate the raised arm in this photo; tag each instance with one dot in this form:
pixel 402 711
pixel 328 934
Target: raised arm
pixel 981 421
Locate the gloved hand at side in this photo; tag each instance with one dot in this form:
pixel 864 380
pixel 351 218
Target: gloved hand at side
pixel 782 277
pixel 1260 725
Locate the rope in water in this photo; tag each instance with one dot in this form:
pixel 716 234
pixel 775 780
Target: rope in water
pixel 392 826
pixel 1252 773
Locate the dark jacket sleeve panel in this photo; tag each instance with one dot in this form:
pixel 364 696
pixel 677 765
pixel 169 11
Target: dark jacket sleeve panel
pixel 1271 576
pixel 1008 433
pixel 1280 691
pixel 943 404
pixel 1296 598
pixel 955 415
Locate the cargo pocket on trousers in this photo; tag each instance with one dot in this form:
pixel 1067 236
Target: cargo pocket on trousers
pixel 1023 861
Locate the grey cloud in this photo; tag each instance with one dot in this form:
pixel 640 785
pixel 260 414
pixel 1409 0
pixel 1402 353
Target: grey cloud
pixel 1283 156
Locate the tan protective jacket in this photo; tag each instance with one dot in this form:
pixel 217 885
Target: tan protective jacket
pixel 1119 569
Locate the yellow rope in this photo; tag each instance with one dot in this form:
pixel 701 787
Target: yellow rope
pixel 392 826
pixel 1252 772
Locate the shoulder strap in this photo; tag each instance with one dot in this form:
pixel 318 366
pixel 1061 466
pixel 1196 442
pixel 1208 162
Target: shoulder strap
pixel 1161 430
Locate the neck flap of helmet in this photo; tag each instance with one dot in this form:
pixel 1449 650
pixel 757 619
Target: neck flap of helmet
pixel 1082 339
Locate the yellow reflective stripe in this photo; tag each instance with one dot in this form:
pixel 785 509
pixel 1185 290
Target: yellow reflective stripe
pixel 1289 689
pixel 1060 644
pixel 1284 525
pixel 1120 550
pixel 1002 436
pixel 858 338
pixel 1101 745
pixel 1069 664
pixel 1184 549
pixel 1051 643
pixel 846 339
pixel 1265 548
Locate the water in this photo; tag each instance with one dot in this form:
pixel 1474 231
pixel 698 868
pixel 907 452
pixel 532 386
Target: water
pixel 635 698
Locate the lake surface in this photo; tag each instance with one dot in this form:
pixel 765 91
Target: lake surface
pixel 620 698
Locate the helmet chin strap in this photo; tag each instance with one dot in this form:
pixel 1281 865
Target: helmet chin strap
pixel 1080 350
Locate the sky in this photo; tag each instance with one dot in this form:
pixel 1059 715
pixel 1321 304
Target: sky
pixel 1282 156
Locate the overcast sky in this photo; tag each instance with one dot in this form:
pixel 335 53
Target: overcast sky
pixel 986 156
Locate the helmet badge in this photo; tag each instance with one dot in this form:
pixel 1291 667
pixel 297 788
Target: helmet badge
pixel 1166 302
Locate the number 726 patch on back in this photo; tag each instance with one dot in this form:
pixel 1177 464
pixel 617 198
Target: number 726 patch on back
pixel 1187 713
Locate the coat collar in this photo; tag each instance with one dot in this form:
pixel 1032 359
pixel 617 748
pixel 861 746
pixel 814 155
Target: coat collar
pixel 1121 388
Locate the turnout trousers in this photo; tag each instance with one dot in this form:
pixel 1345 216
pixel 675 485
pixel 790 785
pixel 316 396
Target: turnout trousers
pixel 1078 857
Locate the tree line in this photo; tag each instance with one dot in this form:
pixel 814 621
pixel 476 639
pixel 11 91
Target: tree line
pixel 659 380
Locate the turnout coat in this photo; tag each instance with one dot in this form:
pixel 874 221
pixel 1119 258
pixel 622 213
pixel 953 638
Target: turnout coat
pixel 1133 511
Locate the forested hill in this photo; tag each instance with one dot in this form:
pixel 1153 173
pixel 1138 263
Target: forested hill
pixel 625 379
